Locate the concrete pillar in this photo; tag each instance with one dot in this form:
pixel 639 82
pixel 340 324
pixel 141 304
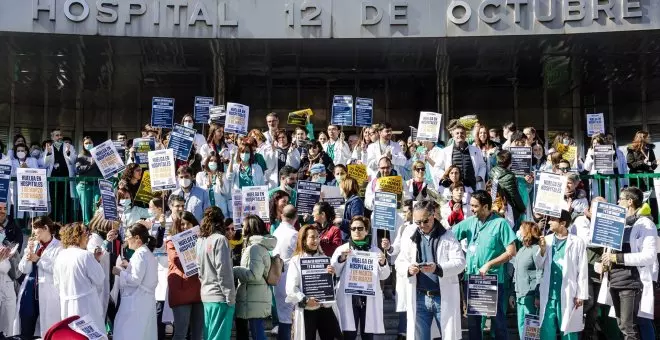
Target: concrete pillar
pixel 219 61
pixel 443 92
pixel 11 61
pixel 576 107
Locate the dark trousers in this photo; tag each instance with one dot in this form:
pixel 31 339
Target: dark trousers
pixel 242 329
pixel 160 305
pixel 29 309
pixel 626 305
pixel 591 314
pixel 359 316
pixel 498 323
pixel 324 321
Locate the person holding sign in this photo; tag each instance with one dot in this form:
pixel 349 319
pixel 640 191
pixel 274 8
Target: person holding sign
pixel 356 311
pixel 21 160
pixel 212 179
pixel 189 122
pixel 565 282
pixel 628 278
pixel 490 244
pixel 600 154
pixel 88 191
pixel 216 143
pixel 433 259
pixel 310 315
pixel 527 275
pixel 336 147
pixel 508 185
pixel 384 147
pixel 244 171
pixel 197 199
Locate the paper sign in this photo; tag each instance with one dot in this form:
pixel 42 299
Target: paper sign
pixel 218 115
pixel 32 189
pixel 532 328
pixel 309 193
pixel 144 193
pixel 255 202
pixel 202 106
pixel 161 170
pixel 603 158
pixel 595 124
pixel 521 160
pixel 184 243
pixel 550 195
pixel 570 154
pixel 358 172
pixel 392 184
pixel 413 133
pixel 237 119
pixel 428 128
pixel 607 225
pixel 107 158
pixel 296 119
pixel 108 200
pixel 181 141
pixel 316 281
pixel 87 327
pixel 363 273
pixel 162 112
pixel 142 147
pixel 121 149
pixel 342 111
pixel 5 177
pixel 332 195
pixel 237 207
pixel 385 211
pixel 364 111
pixel 482 295
pixel 494 184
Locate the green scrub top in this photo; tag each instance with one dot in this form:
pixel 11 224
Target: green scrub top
pixel 558 251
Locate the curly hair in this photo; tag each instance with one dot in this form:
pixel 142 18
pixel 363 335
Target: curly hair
pixel 72 234
pixel 212 222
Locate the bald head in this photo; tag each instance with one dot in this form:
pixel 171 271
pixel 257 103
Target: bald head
pixel 289 213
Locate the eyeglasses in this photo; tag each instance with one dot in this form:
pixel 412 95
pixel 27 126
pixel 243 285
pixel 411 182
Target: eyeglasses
pixel 420 169
pixel 422 221
pixel 564 169
pixel 359 229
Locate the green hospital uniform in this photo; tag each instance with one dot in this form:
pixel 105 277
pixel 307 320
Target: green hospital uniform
pixel 552 316
pixel 245 177
pixel 221 316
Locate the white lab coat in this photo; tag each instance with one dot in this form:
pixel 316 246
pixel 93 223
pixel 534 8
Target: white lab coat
pixel 405 231
pixel 7 298
pixel 445 211
pixel 375 153
pixel 294 295
pixel 270 156
pixel 575 281
pixel 80 280
pixel 138 284
pixel 286 237
pixel 374 323
pixel 477 162
pixel 342 152
pixel 221 189
pixel 643 256
pixel 199 141
pixel 233 177
pixel 206 149
pixel 49 298
pixel 95 240
pixel 450 258
pixel 49 161
pixel 408 189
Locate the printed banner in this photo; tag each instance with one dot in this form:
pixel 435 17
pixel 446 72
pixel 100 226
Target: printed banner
pixel 108 200
pixel 595 124
pixel 532 328
pixel 121 149
pixel 550 195
pixel 32 189
pixel 108 159
pixel 162 112
pixel 364 111
pixel 255 202
pixel 604 158
pixel 607 225
pixel 482 295
pixel 363 273
pixel 184 243
pixel 521 160
pixel 144 193
pixel 87 327
pixel 332 195
pixel 392 184
pixel 342 111
pixel 299 117
pixel 316 281
pixel 385 211
pixel 202 106
pixel 181 141
pixel 237 119
pixel 5 177
pixel 429 125
pixel 309 193
pixel 237 208
pixel 413 133
pixel 142 147
pixel 218 115
pixel 161 170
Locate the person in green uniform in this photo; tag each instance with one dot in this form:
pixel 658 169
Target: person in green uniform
pixel 527 274
pixel 490 244
pixel 288 182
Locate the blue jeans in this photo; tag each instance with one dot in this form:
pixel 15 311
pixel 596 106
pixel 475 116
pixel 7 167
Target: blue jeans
pixel 257 329
pixel 427 309
pixel 646 328
pixel 403 323
pixel 284 331
pixel 498 324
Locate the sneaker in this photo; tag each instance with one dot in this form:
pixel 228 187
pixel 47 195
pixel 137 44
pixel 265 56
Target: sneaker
pixel 274 330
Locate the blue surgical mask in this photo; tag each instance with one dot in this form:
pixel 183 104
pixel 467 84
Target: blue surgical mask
pixel 320 180
pixel 213 166
pixel 152 214
pixel 245 157
pixel 89 147
pixel 57 144
pixel 125 202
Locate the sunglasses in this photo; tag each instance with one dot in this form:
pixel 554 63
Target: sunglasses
pixel 360 229
pixel 564 169
pixel 420 169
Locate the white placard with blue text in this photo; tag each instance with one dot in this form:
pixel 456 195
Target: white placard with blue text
pixel 162 112
pixel 342 111
pixel 32 189
pixel 107 158
pixel 236 120
pixel 595 124
pixel 108 200
pixel 161 170
pixel 202 106
pixel 364 111
pixel 5 176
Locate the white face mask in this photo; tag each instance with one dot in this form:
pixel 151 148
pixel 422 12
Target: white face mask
pixel 188 125
pixel 185 182
pixel 21 154
pixel 125 202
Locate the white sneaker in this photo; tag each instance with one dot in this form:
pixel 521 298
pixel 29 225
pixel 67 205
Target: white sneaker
pixel 274 330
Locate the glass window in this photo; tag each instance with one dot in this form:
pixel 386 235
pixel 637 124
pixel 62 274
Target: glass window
pixel 625 134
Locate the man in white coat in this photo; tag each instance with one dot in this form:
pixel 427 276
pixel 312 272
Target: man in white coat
pixel 60 161
pixel 468 158
pixel 336 147
pixel 385 147
pixel 432 259
pixel 630 274
pixel 287 236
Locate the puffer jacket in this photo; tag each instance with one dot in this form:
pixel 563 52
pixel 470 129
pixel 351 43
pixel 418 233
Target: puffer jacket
pixel 253 297
pixel 508 183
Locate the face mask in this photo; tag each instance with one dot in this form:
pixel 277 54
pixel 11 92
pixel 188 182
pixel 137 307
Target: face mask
pixel 21 154
pixel 229 141
pixel 320 180
pixel 57 144
pixel 125 202
pixel 2 237
pixel 341 177
pixel 185 182
pixel 566 141
pixel 35 153
pixel 245 157
pixel 89 147
pixel 213 166
pixel 188 125
pixel 538 156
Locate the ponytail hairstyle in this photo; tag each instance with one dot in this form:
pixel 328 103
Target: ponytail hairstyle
pixel 44 222
pixel 141 231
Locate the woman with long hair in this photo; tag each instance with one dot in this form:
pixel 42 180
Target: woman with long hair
pixel 487 147
pixel 316 155
pixel 268 159
pixel 275 206
pixel 130 180
pixel 216 143
pixel 527 274
pixel 539 158
pixel 213 180
pixel 329 234
pixel 354 206
pixel 88 191
pixel 452 175
pixel 189 121
pixel 359 155
pixel 244 170
pixel 38 297
pixel 216 274
pixel 598 188
pixel 323 137
pixel 79 277
pixel 641 158
pixel 102 234
pixel 310 316
pixel 415 188
pixel 253 296
pixel 138 279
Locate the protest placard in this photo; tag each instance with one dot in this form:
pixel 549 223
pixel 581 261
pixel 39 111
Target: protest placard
pixel 32 189
pixel 202 107
pixel 255 202
pixel 532 327
pixel 342 111
pixel 237 117
pixel 392 184
pixel 309 193
pixel 107 158
pixel 570 154
pixel 108 200
pixel 121 149
pixel 142 147
pixel 218 115
pixel 607 225
pixel 595 124
pixel 181 141
pixel 161 170
pixel 385 204
pixel 332 195
pixel 299 118
pixel 364 111
pixel 144 193
pixel 359 173
pixel 413 133
pixel 162 112
pixel 316 281
pixel 237 208
pixel 603 158
pixel 521 160
pixel 184 243
pixel 429 125
pixel 86 326
pixel 363 273
pixel 482 295
pixel 5 177
pixel 550 194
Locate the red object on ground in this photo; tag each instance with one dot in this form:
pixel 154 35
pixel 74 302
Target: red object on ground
pixel 62 331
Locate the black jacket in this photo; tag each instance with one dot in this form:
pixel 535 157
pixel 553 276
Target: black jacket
pixel 637 161
pixel 508 182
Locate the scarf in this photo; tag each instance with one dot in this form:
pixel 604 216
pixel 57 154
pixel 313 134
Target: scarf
pixel 364 245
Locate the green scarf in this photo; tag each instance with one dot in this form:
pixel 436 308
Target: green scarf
pixel 364 245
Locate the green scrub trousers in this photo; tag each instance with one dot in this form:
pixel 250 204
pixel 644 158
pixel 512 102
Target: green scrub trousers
pixel 218 320
pixel 552 317
pixel 88 194
pixel 524 306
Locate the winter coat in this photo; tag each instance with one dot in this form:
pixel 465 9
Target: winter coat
pixel 508 183
pixel 253 296
pixel 354 207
